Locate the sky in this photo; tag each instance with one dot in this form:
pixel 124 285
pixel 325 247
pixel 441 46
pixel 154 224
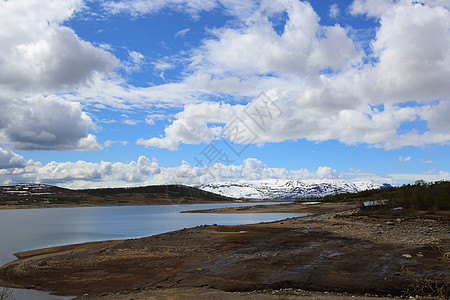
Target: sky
pixel 109 93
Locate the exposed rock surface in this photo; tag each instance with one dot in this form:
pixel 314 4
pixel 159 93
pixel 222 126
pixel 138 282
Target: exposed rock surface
pixel 340 252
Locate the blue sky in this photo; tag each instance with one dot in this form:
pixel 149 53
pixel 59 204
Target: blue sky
pixel 125 93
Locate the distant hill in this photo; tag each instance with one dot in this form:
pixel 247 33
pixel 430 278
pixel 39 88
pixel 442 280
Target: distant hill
pixel 46 195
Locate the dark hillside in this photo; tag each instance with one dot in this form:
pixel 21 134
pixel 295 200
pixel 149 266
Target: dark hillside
pixel 41 195
pixel 420 196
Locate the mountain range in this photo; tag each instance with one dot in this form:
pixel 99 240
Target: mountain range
pixel 272 189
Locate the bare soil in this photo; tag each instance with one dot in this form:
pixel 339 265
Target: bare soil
pixel 340 251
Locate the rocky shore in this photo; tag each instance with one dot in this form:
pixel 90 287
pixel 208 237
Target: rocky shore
pixel 341 251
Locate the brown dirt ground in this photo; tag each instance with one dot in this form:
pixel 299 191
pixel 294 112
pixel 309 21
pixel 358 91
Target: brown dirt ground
pixel 340 251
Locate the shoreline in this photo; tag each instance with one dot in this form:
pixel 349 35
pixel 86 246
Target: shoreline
pixel 166 202
pixel 290 207
pixel 336 251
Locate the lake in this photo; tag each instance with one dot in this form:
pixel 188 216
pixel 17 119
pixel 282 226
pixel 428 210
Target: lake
pixel 27 229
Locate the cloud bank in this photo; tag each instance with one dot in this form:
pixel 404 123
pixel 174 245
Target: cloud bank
pixel 145 171
pixel 327 87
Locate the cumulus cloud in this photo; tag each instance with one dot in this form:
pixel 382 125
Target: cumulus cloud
pixel 404 78
pixel 82 174
pixel 412 47
pixel 9 159
pixel 145 171
pixel 372 8
pixel 191 126
pixel 134 172
pixel 326 87
pixel 304 47
pixel 41 54
pixel 45 123
pixel 299 117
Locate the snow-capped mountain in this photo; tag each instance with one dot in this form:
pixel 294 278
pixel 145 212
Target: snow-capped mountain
pixel 288 189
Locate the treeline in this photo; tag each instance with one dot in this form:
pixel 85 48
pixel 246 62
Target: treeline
pixel 417 196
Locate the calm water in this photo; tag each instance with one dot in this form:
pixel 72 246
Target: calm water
pixel 27 229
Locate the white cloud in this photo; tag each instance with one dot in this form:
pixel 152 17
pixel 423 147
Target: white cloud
pixel 152 118
pixel 313 116
pixel 182 130
pixel 130 122
pixel 141 7
pixel 315 73
pixel 145 172
pixel 334 10
pixel 9 159
pixel 115 92
pixel 32 124
pixel 82 174
pixel 110 143
pixel 193 7
pixel 42 55
pixel 412 46
pixel 182 32
pixel 372 8
pixel 426 161
pixel 163 65
pixel 304 47
pixel 191 126
pixel 404 159
pixel 396 178
pixel 134 63
pixel 410 63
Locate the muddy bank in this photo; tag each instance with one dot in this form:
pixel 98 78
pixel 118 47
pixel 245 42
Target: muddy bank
pixel 335 251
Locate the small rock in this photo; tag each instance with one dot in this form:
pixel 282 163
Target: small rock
pixel 407 255
pixel 390 223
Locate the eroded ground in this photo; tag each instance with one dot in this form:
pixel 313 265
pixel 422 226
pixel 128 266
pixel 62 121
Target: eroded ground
pixel 337 251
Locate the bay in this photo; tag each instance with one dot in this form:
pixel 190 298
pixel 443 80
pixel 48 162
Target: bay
pixel 27 229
